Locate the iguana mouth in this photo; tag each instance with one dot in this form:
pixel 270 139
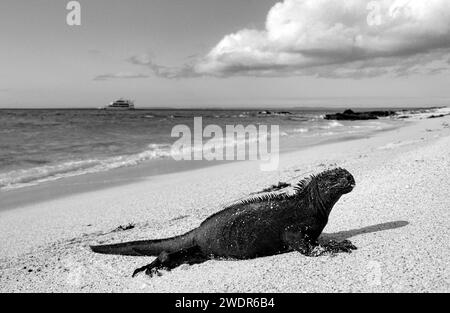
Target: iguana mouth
pixel 352 183
pixel 349 187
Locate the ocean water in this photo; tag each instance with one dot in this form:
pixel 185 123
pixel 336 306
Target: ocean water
pixel 41 145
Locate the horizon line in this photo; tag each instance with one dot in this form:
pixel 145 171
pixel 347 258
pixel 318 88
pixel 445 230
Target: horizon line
pixel 237 108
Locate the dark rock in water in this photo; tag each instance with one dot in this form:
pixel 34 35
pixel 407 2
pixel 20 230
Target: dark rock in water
pixel 350 115
pixel 265 112
pixel 382 113
pixel 438 116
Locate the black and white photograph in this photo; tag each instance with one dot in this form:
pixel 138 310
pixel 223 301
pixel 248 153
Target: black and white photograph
pixel 225 147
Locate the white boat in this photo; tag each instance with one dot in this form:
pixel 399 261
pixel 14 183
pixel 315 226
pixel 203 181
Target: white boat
pixel 121 104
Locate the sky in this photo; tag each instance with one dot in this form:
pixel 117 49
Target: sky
pixel 226 53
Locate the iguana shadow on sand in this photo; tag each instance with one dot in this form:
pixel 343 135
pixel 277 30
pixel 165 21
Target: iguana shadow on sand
pixel 259 226
pixel 346 234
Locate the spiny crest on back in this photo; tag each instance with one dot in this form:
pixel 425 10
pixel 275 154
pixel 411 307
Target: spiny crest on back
pixel 262 198
pixel 254 199
pixel 300 189
pixel 302 185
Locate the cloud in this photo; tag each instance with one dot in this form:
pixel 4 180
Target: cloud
pixel 120 75
pixel 161 70
pixel 336 38
pixel 345 38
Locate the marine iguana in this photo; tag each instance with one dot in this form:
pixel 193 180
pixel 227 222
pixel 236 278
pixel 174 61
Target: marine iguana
pixel 258 226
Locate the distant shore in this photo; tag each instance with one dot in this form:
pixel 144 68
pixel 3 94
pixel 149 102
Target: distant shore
pixel 396 216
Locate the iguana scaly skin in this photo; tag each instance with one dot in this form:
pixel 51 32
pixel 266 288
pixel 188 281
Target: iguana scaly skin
pixel 258 226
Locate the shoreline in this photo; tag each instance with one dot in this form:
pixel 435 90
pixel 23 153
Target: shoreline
pixel 150 169
pixel 45 166
pixel 90 182
pixel 399 203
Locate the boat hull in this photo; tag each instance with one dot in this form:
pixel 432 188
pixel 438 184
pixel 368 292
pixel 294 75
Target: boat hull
pixel 117 109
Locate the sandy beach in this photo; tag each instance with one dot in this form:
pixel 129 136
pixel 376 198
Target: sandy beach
pixel 397 215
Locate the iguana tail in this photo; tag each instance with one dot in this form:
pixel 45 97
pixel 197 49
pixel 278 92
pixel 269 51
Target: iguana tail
pixel 148 247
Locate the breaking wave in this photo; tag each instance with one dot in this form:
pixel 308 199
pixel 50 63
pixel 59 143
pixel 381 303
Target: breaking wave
pixel 44 173
pixel 33 176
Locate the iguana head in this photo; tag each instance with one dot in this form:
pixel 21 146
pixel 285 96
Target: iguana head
pixel 334 183
pixel 330 185
pixel 326 188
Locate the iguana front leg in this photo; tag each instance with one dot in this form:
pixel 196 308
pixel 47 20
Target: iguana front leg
pixel 336 247
pixel 298 238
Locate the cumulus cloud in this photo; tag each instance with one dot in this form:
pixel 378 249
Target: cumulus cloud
pixel 120 75
pixel 345 38
pixel 337 38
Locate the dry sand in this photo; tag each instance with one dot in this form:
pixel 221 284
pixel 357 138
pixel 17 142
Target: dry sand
pixel 397 216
